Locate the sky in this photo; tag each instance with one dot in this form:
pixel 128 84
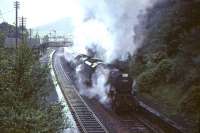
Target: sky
pixel 39 12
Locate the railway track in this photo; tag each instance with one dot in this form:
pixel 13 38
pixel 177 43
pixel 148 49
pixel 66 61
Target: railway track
pixel 86 120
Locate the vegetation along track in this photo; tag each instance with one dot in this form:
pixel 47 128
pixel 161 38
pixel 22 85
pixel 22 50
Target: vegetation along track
pixel 85 118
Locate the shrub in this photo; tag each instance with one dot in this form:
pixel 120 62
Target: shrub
pixel 146 81
pixel 162 69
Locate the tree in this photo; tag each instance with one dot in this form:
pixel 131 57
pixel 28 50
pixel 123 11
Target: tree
pixel 24 86
pixel 167 64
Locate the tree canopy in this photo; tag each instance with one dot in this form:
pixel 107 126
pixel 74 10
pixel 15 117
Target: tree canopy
pixel 24 86
pixel 167 64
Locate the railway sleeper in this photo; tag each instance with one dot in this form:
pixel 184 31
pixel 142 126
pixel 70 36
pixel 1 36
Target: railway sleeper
pixel 93 124
pixel 85 115
pixel 90 121
pixel 93 128
pixel 78 105
pixel 81 110
pixel 73 101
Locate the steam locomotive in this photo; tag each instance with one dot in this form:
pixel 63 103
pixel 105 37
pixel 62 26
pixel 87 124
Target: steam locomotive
pixel 120 92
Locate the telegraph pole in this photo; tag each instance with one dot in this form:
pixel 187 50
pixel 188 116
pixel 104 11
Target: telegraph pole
pixel 30 34
pixel 23 24
pixel 16 6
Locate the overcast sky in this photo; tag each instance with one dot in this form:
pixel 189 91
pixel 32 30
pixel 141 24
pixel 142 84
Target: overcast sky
pixel 39 12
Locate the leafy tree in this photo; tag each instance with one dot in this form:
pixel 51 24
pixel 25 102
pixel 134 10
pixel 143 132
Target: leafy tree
pixel 24 86
pixel 169 54
pixel 7 29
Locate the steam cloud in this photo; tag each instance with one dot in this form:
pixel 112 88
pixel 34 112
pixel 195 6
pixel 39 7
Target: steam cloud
pixel 108 24
pixel 107 27
pixel 99 88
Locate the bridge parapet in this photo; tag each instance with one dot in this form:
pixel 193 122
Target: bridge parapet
pixel 57 44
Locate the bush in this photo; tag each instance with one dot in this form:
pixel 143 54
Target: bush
pixel 162 69
pixel 146 81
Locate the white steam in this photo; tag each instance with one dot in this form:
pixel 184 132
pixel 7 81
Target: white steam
pixel 107 24
pixel 91 33
pixel 107 27
pixel 99 88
